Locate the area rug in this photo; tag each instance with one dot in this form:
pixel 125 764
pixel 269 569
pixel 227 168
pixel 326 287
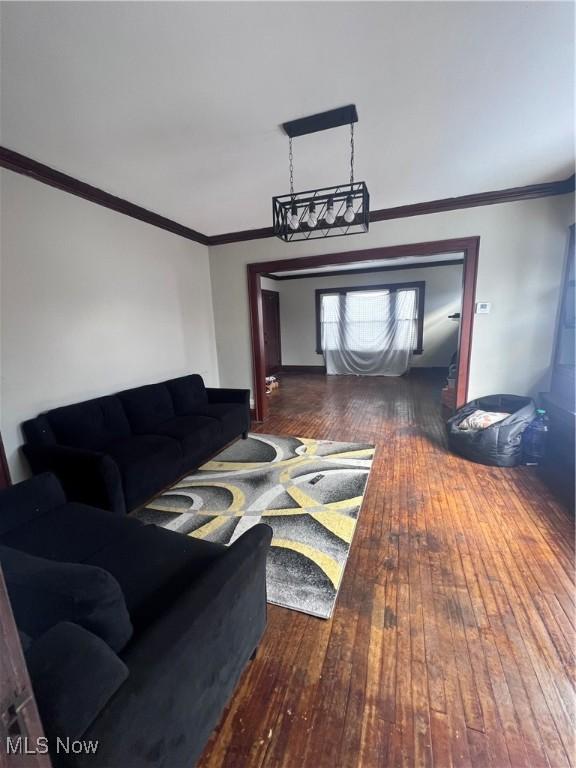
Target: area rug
pixel 308 491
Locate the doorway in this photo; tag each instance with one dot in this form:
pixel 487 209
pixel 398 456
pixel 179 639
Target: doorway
pixel 468 248
pixel 271 330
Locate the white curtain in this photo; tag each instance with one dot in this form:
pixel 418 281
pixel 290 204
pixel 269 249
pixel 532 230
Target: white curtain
pixel 369 333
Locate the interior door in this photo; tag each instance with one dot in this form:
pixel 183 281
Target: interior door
pixel 271 317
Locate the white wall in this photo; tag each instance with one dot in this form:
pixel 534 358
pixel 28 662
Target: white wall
pixel 522 249
pixel 268 284
pixel 443 296
pixel 92 302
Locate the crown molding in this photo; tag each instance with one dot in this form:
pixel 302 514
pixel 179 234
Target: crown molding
pixel 18 163
pixel 26 166
pixel 365 270
pixel 514 194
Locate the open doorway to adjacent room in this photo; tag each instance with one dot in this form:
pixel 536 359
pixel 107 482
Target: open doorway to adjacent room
pixel 385 312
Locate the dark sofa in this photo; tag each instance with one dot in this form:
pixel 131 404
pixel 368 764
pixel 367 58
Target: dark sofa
pixel 134 636
pixel 118 451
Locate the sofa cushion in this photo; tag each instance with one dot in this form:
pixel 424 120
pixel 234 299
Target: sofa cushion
pixel 62 532
pixel 188 393
pixel 146 407
pixel 233 417
pixel 69 700
pixel 45 592
pixel 147 463
pixel 92 424
pixel 198 435
pixel 153 567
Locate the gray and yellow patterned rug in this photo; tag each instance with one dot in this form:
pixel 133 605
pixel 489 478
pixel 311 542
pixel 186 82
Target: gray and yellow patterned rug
pixel 308 491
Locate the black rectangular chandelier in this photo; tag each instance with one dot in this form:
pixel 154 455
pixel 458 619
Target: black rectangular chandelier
pixel 328 211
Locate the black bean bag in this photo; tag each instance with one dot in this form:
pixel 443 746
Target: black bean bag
pixel 499 445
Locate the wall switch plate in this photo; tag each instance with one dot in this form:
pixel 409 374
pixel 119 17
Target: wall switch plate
pixel 483 307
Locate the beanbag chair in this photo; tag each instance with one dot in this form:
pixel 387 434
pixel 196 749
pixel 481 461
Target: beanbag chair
pixel 498 444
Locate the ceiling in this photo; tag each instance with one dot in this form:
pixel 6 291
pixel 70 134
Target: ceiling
pixel 177 106
pixel 403 261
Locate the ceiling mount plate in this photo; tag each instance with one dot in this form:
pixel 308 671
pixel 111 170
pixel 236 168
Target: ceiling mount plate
pixel 333 118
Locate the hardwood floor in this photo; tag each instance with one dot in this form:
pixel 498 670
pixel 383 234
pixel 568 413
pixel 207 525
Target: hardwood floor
pixel 452 642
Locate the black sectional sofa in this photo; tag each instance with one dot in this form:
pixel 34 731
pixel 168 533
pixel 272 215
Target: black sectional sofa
pixel 134 636
pixel 118 451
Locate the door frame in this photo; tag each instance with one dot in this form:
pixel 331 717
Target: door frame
pixel 468 246
pixel 277 294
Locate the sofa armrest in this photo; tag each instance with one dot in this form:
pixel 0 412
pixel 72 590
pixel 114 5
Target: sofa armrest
pixel 87 476
pixel 45 592
pixel 28 500
pixel 73 674
pixel 187 663
pixel 240 396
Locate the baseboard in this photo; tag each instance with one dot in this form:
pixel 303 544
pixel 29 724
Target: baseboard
pixel 430 368
pixel 303 369
pixel 322 369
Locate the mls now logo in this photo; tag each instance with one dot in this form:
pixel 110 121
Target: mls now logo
pixel 22 745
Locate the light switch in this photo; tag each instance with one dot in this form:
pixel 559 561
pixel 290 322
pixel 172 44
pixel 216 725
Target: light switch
pixel 483 307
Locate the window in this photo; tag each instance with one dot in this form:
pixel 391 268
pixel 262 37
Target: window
pixel 368 309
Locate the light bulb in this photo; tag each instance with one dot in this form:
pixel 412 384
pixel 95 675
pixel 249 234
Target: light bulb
pixel 349 215
pixel 293 220
pixel 312 216
pixel 330 217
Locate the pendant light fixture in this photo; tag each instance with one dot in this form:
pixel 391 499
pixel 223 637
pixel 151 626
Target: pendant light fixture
pixel 330 217
pixel 327 211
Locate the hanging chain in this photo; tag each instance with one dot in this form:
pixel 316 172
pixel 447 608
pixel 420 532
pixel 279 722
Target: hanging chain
pixel 351 154
pixel 291 158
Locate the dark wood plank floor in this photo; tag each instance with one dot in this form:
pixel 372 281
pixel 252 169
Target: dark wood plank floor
pixel 452 642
